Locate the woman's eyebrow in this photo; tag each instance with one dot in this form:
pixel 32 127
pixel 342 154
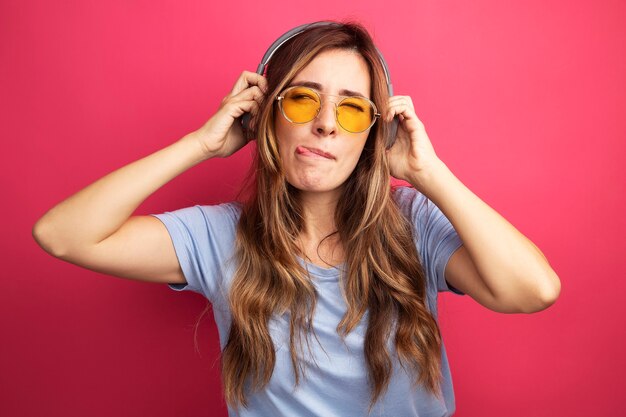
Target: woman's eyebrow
pixel 319 87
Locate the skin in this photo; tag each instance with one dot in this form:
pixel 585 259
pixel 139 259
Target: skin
pixel 497 265
pixel 320 178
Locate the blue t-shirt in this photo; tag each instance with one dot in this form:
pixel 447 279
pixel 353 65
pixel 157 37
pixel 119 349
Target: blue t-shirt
pixel 336 381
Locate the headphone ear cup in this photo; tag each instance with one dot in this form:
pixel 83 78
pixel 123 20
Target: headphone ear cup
pixel 245 126
pixel 245 121
pixel 393 130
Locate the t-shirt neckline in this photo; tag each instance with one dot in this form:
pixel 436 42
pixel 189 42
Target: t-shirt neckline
pixel 321 272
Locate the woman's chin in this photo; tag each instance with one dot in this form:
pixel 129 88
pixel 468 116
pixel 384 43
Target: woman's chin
pixel 314 185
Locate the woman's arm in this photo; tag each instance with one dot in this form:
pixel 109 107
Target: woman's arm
pixel 94 228
pixel 496 265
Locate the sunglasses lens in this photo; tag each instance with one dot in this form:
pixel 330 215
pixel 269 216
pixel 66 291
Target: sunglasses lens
pixel 355 114
pixel 301 104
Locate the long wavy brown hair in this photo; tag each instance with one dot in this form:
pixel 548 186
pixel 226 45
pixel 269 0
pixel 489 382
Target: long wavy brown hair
pixel 384 276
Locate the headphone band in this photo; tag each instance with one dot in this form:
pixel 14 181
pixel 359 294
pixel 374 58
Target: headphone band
pixel 245 121
pixel 299 29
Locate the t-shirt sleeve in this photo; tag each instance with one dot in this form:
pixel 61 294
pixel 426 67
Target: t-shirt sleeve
pixel 203 238
pixel 436 238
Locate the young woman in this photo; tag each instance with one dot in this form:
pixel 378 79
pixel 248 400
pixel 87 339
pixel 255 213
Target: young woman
pixel 324 280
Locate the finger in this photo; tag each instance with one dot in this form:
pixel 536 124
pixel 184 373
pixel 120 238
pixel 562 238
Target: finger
pixel 398 108
pixel 405 113
pixel 247 79
pixel 249 94
pixel 401 100
pixel 237 109
pixel 241 83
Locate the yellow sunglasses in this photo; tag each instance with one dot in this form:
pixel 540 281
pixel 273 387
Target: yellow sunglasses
pixel 354 114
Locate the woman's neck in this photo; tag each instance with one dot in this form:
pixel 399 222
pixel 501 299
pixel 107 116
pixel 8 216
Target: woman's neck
pixel 319 221
pixel 319 213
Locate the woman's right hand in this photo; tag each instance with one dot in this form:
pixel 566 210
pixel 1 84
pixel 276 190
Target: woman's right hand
pixel 222 135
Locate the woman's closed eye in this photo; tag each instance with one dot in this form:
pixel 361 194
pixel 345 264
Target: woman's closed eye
pixel 353 107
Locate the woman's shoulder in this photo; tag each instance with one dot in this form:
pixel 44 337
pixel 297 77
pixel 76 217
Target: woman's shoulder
pixel 223 212
pixel 231 209
pixel 201 217
pixel 408 198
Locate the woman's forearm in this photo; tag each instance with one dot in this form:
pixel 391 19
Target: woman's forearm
pixel 511 266
pixel 97 211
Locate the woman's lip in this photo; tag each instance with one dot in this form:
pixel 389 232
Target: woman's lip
pixel 313 152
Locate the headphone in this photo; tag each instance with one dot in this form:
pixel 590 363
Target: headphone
pixel 245 120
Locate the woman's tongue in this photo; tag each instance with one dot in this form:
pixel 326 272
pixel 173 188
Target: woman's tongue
pixel 301 150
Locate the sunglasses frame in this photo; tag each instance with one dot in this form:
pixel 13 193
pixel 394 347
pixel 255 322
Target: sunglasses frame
pixel 281 97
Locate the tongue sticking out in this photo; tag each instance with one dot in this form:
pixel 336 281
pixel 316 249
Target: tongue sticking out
pixel 301 150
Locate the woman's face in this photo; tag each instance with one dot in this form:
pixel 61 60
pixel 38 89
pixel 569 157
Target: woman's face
pixel 320 155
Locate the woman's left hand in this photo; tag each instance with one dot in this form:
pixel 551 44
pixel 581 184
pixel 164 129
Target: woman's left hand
pixel 412 157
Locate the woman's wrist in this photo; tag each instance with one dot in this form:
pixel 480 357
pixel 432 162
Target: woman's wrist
pixel 199 151
pixel 428 180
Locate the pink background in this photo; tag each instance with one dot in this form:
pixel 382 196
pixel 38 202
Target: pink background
pixel 525 103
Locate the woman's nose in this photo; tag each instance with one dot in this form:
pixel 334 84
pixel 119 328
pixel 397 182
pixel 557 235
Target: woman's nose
pixel 326 122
